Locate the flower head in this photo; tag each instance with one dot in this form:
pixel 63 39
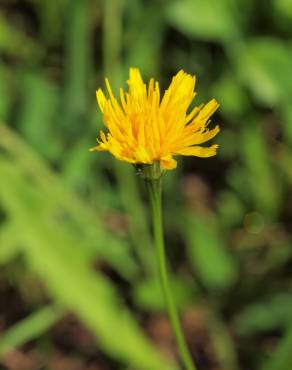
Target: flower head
pixel 143 129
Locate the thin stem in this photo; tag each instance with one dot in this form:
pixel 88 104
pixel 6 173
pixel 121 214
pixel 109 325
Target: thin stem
pixel 154 187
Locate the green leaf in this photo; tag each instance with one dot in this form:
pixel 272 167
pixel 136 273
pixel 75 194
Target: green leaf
pixel 40 101
pixel 148 293
pixel 230 209
pixel 264 187
pixel 144 48
pixel 231 95
pixel 77 48
pixel 271 314
pixel 51 17
pixel 79 219
pixel 10 241
pixel 205 19
pixel 16 43
pixel 5 93
pixel 265 67
pixel 207 252
pixel 284 7
pixel 282 357
pixel 60 259
pixel 29 328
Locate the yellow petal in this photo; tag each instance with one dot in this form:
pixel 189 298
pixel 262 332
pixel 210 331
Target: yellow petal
pixel 99 148
pixel 193 113
pixel 181 88
pixel 208 135
pixel 101 100
pixel 135 77
pixel 137 88
pixel 115 105
pixel 199 151
pixel 208 110
pixel 123 99
pixel 204 115
pixel 198 137
pixel 168 163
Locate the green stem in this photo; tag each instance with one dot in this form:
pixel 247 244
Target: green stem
pixel 154 187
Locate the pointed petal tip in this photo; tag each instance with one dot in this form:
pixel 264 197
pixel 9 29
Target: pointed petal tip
pixel 215 102
pixel 108 86
pixel 134 72
pixel 101 99
pixel 135 78
pixel 134 69
pixel 98 148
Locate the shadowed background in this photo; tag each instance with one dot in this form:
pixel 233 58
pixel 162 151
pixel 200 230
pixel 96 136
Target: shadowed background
pixel 78 280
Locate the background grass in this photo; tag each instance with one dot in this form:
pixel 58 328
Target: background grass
pixel 75 244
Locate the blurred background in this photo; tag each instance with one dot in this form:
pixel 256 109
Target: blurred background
pixel 78 281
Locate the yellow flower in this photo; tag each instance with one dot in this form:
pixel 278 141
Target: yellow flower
pixel 143 129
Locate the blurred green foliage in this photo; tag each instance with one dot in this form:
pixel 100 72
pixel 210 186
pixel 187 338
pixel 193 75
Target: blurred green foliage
pixel 77 223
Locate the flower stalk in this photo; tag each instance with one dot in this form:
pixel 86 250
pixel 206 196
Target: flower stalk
pixel 154 189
